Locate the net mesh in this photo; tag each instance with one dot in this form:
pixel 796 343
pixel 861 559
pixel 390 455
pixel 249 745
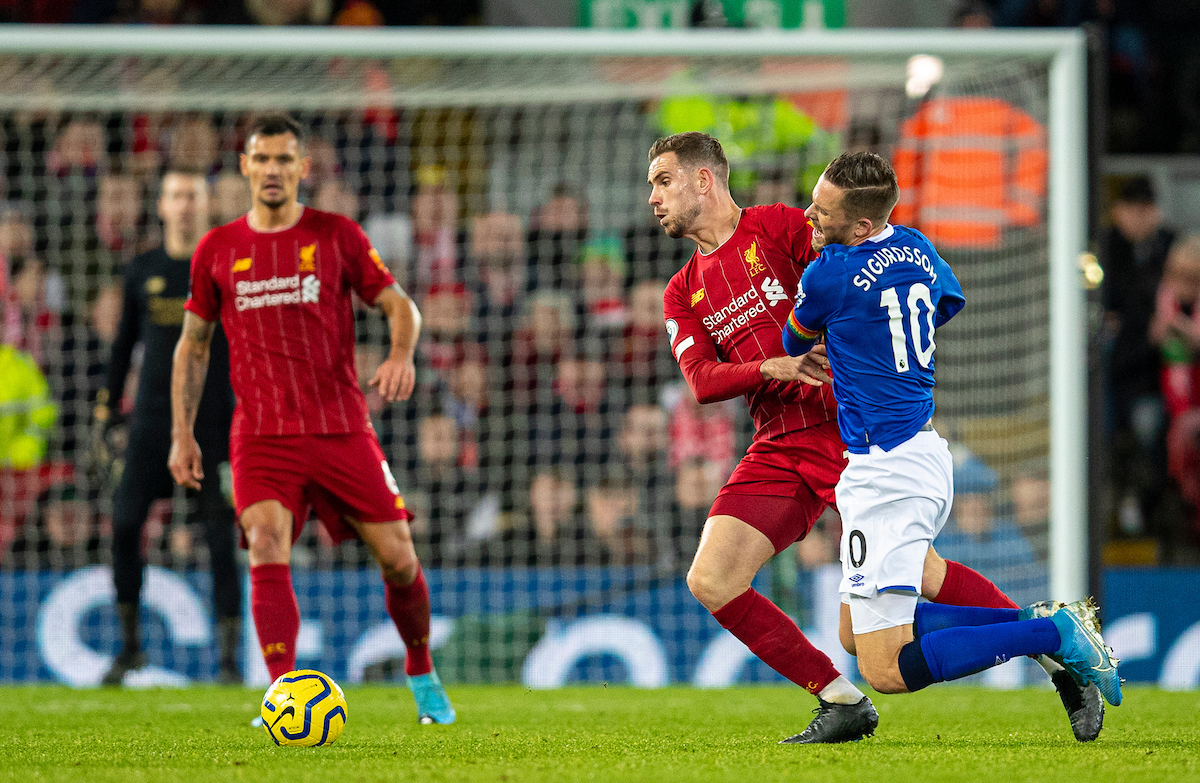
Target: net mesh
pixel 559 470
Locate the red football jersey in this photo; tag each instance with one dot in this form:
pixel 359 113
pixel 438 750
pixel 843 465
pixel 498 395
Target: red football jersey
pixel 725 313
pixel 284 300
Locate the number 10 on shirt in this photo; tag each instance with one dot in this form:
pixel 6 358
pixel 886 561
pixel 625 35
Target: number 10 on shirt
pixel 920 329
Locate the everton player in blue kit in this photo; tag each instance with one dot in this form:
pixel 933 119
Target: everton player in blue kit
pixel 877 294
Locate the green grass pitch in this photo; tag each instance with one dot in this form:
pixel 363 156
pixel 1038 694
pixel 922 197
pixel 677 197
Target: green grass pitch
pixel 512 734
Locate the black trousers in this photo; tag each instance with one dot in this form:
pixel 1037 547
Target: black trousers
pixel 147 479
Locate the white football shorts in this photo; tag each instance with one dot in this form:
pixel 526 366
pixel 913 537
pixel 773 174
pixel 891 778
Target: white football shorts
pixel 893 504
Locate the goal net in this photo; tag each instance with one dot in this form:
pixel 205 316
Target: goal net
pixel 558 468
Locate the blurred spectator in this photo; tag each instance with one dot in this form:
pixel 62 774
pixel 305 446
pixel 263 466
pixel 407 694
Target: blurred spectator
pixel 603 280
pixel 497 250
pixel 645 340
pixel 701 431
pixel 580 384
pixel 334 196
pixel 288 12
pixel 697 482
pixel 30 320
pixel 359 13
pixel 466 401
pixel 560 532
pixel 119 213
pixel 614 520
pixel 149 135
pixel 167 12
pixel 822 544
pixel 27 411
pixel 970 169
pixel 546 333
pixel 76 365
pixel 972 15
pixel 16 233
pixel 975 537
pixel 63 533
pixel 158 12
pixel 1031 502
pixel 79 148
pixel 643 438
pixel 194 145
pixel 324 165
pixel 437 443
pixel 455 515
pixel 105 313
pixel 435 226
pixel 446 319
pixel 230 198
pixel 1134 252
pixel 1176 330
pixel 558 229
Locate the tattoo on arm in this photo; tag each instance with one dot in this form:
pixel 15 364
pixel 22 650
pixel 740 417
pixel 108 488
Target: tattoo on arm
pixel 189 370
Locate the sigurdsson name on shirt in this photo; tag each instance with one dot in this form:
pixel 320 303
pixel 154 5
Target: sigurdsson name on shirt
pixel 885 257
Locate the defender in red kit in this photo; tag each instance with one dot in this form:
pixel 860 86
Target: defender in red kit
pixel 280 280
pixel 725 311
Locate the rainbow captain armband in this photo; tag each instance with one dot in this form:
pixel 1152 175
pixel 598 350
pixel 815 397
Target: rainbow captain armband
pixel 796 339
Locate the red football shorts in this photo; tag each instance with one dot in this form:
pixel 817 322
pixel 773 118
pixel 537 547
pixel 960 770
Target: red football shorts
pixel 781 486
pixel 338 476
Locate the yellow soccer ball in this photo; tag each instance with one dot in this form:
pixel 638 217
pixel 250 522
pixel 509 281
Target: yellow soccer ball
pixel 305 708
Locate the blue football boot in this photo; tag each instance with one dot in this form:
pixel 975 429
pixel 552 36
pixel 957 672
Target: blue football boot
pixel 1083 651
pixel 433 705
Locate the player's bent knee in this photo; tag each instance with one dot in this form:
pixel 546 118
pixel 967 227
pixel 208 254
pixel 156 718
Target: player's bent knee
pixel 885 679
pixel 707 589
pixel 401 569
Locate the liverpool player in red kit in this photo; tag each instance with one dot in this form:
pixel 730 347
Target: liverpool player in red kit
pixel 280 280
pixel 724 313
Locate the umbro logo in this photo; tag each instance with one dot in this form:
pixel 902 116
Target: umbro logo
pixel 310 289
pixel 857 579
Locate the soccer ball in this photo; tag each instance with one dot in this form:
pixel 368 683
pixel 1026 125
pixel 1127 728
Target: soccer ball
pixel 305 708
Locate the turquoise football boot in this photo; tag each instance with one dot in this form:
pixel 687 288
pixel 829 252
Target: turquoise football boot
pixel 433 705
pixel 1083 651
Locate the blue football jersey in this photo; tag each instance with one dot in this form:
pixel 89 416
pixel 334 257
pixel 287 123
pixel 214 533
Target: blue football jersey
pixel 878 305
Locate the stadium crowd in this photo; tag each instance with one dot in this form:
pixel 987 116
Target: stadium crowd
pixel 549 425
pixel 1149 47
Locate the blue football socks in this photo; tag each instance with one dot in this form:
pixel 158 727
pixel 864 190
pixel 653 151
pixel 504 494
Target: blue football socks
pixel 950 653
pixel 935 617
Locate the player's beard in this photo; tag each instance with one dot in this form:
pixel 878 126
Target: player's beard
pixel 679 226
pixel 273 203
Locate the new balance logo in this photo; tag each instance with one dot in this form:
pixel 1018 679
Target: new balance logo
pixel 773 292
pixel 310 289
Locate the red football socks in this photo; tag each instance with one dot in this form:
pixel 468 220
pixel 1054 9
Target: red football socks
pixel 967 587
pixel 772 636
pixel 409 609
pixel 276 615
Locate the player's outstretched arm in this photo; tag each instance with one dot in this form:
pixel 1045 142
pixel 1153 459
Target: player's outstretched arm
pixel 397 376
pixel 187 385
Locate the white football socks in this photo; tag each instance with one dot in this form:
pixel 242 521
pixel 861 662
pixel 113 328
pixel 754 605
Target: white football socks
pixel 841 691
